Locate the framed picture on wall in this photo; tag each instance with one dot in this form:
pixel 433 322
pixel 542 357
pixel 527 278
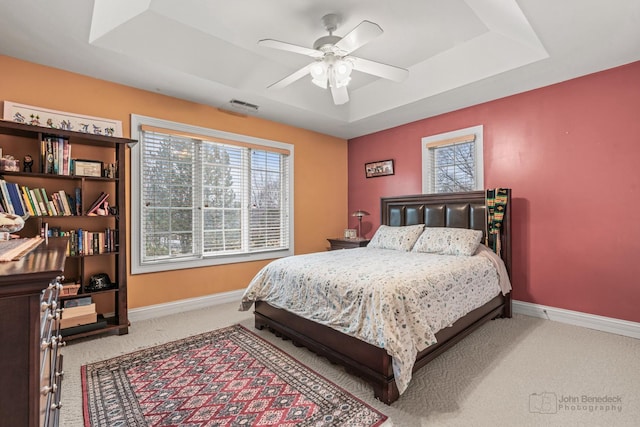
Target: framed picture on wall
pixel 379 168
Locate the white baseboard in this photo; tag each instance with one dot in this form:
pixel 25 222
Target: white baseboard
pixel 591 321
pixel 158 310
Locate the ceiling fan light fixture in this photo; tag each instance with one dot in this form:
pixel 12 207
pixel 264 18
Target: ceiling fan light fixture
pixel 318 73
pixel 341 71
pixel 336 74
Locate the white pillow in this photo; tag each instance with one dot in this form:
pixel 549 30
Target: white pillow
pixel 399 238
pixel 448 241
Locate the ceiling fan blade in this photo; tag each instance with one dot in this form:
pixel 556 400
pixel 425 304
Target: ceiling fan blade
pixel 290 78
pixel 379 69
pixel 340 95
pixel 358 37
pixel 276 44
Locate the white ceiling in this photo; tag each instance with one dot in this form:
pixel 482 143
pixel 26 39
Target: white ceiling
pixel 458 52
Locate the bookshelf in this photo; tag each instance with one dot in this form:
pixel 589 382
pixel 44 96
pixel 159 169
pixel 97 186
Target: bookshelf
pixel 70 196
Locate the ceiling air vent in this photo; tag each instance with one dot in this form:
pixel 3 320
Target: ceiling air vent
pixel 243 106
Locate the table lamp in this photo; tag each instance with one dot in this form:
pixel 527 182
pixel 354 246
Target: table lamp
pixel 360 213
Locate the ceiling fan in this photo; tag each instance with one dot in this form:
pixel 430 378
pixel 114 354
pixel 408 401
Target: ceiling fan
pixel 333 63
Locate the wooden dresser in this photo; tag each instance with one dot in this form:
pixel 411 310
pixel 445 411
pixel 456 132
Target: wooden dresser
pixel 29 338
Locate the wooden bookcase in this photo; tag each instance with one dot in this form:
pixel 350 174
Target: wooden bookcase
pixel 20 140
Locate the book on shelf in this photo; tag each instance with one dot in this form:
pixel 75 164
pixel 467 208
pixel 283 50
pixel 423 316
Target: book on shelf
pixel 98 203
pixel 27 200
pixel 34 201
pixel 52 208
pixel 73 330
pixel 63 202
pixel 85 242
pixel 12 200
pixel 54 156
pixel 78 320
pixel 78 201
pixel 70 204
pixel 6 200
pixel 45 201
pixel 43 208
pixel 16 199
pixel 46 156
pixel 21 200
pixel 66 156
pixel 57 204
pixel 79 246
pixel 75 302
pixel 79 310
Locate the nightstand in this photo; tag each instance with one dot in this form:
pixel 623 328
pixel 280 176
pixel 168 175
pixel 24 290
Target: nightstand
pixel 342 243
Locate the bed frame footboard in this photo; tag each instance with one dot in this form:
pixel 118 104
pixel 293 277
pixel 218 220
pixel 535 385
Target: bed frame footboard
pixel 367 361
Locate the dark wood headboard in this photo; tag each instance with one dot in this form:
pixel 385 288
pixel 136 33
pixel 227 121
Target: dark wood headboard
pixel 460 210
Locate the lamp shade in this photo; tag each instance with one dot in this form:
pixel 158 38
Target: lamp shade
pixel 318 73
pixel 360 213
pixel 340 73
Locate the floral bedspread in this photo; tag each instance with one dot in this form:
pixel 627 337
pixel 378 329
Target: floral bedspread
pixel 391 299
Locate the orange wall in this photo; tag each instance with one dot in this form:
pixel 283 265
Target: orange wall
pixel 320 205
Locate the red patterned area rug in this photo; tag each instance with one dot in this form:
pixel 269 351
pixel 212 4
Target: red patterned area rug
pixel 228 377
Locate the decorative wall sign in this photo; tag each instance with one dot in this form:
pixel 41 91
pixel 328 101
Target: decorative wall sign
pixel 37 116
pixel 381 168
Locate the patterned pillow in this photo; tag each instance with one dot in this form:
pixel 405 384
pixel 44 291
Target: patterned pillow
pixel 399 238
pixel 448 241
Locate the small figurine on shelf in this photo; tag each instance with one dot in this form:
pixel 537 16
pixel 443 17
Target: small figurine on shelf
pixel 110 170
pixel 27 163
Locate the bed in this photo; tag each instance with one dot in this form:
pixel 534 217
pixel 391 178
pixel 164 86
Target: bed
pixel 372 362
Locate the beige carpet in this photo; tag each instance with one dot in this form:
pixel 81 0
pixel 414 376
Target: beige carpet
pixel 514 372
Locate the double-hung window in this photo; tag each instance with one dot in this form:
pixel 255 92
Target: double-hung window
pixel 204 197
pixel 453 161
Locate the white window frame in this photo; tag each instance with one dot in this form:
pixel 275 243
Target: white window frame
pixel 428 184
pixel 137 264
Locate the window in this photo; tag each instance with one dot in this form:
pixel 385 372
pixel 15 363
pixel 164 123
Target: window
pixel 452 161
pixel 203 197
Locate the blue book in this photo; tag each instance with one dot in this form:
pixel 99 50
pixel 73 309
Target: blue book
pixel 78 204
pixel 16 199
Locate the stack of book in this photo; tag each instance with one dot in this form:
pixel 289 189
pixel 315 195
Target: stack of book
pixel 78 311
pixel 22 200
pixel 55 155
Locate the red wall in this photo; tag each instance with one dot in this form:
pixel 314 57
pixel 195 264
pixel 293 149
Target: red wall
pixel 571 155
